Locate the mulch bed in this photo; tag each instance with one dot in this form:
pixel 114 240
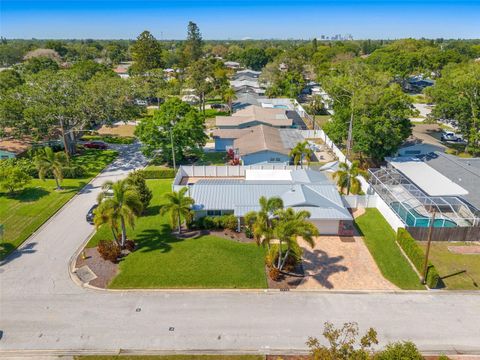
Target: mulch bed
pixel 286 282
pixel 225 234
pixel 232 235
pixel 105 270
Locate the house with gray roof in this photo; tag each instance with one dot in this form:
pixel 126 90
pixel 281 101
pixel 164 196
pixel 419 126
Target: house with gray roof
pixel 239 192
pixel 259 144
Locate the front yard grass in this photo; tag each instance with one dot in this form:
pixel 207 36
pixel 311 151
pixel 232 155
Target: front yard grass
pixel 380 240
pixel 458 271
pixel 164 261
pixel 23 213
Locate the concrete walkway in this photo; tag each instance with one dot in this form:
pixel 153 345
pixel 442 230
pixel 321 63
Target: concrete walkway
pixel 44 312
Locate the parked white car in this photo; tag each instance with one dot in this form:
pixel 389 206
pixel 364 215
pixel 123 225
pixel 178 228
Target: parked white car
pixel 451 136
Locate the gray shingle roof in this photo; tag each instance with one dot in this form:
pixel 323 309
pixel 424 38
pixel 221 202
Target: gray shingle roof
pixel 464 172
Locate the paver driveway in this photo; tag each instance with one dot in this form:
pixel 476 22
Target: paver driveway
pixel 341 263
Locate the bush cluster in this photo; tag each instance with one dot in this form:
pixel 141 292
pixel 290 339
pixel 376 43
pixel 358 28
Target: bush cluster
pixel 218 222
pixel 111 139
pixel 417 257
pixel 152 172
pixel 109 250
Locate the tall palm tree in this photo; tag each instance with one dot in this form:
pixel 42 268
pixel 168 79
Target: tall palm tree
pixel 228 96
pixel 46 160
pixel 122 206
pixel 179 206
pixel 290 225
pixel 347 177
pixel 261 221
pixel 300 152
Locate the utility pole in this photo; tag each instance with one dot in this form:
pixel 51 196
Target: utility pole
pixel 173 150
pixel 427 253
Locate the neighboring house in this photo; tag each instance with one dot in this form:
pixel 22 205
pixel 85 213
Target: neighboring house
pixel 11 148
pixel 255 115
pixel 258 144
pixel 415 188
pixel 239 192
pixel 417 84
pixel 419 148
pixel 232 64
pixel 122 70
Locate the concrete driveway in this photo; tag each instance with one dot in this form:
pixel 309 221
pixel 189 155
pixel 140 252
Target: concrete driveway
pixel 341 263
pixel 42 311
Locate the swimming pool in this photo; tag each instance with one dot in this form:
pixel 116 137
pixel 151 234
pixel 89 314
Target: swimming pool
pixel 280 106
pixel 413 218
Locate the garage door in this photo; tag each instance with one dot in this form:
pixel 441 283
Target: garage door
pixel 327 227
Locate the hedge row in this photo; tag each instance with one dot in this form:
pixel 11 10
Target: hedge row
pixel 218 222
pixel 111 139
pixel 417 257
pixel 153 172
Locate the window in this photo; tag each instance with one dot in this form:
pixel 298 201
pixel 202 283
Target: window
pixel 214 212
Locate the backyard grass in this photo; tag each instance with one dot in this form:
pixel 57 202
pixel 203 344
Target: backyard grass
pixel 163 261
pixel 171 357
pixel 212 158
pixel 23 213
pixel 380 240
pixel 458 271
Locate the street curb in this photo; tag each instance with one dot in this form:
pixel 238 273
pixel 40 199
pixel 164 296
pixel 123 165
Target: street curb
pixel 54 215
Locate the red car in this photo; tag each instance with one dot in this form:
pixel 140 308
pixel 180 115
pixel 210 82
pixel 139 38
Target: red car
pixel 96 145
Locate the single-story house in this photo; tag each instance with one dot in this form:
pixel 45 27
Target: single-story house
pixel 258 144
pixel 11 148
pixel 255 115
pixel 300 189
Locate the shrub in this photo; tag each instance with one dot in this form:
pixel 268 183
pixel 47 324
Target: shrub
pixel 72 171
pixel 229 222
pixel 417 257
pixel 153 172
pixel 13 177
pixel 400 350
pixel 248 232
pixel 137 178
pixel 130 245
pixel 109 250
pixel 274 273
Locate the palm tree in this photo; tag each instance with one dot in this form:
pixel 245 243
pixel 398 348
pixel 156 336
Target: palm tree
pixel 261 221
pixel 290 225
pixel 301 151
pixel 347 177
pixel 123 206
pixel 179 206
pixel 228 96
pixel 46 160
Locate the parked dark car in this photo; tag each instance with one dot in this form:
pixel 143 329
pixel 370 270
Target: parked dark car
pixel 90 214
pixel 96 145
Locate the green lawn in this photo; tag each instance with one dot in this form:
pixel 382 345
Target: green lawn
pixel 171 357
pixel 163 261
pixel 458 271
pixel 380 240
pixel 212 158
pixel 23 213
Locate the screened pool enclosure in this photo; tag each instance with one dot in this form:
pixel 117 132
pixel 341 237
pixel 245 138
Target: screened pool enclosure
pixel 415 208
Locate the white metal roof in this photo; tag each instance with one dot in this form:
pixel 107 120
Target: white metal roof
pixel 428 179
pixel 268 174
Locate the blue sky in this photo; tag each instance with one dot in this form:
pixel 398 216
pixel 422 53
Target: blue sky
pixel 228 19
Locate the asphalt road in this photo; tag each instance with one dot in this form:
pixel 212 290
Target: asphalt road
pixel 41 308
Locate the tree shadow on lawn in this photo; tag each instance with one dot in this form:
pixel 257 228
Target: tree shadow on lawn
pixel 28 194
pixel 156 239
